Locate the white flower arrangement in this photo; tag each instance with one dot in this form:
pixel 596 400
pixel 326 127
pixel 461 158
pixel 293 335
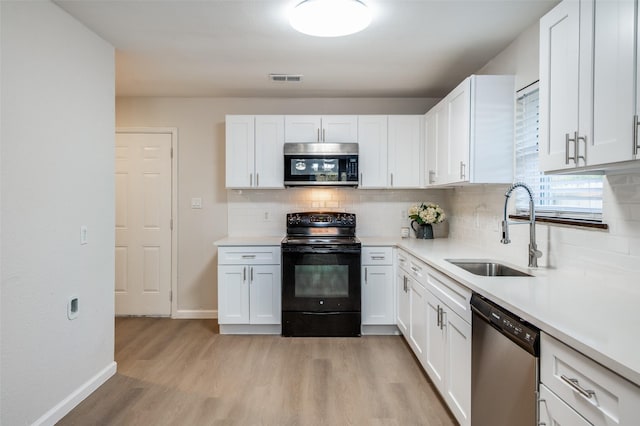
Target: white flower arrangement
pixel 426 213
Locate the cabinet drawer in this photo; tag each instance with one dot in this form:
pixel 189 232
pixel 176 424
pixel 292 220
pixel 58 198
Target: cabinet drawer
pixel 555 412
pixel 454 295
pixel 254 255
pixel 598 394
pixel 377 256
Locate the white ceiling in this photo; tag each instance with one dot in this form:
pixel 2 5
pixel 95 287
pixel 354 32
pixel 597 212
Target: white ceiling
pixel 413 48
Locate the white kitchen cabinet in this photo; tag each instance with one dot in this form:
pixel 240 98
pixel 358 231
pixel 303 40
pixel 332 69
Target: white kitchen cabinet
pixel 378 290
pixel 590 390
pixel 433 134
pixel 372 146
pixel 470 133
pixel 402 292
pixel 325 128
pixel 434 315
pixel 587 80
pixel 553 411
pixel 249 295
pixel 405 150
pixel 447 359
pixel 254 151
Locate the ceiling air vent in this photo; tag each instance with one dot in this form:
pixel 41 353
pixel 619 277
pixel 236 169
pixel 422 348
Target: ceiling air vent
pixel 286 78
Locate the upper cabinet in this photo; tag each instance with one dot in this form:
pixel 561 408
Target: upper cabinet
pixel 588 83
pixel 254 156
pixel 404 150
pixel 325 128
pixel 469 134
pixel 372 146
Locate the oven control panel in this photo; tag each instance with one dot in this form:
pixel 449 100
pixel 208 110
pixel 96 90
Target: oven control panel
pixel 320 219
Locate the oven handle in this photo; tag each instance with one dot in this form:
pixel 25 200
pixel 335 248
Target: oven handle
pixel 321 250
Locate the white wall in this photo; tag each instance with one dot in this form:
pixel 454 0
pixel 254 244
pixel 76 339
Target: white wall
pixel 201 172
pixel 57 174
pixel 477 211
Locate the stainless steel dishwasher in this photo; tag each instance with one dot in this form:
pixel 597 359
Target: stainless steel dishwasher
pixel 504 367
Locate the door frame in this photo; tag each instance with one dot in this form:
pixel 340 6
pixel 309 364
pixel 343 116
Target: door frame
pixel 173 131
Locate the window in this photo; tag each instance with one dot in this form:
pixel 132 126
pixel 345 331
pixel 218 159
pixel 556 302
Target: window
pixel 568 197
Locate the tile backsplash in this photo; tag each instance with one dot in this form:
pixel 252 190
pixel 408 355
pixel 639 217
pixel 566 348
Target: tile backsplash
pixel 477 213
pixel 379 212
pixel 474 216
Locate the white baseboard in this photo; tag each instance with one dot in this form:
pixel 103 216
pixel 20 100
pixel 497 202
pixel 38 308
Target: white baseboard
pixel 195 314
pixel 61 409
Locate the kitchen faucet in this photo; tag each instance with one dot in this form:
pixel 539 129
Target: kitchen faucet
pixel 534 253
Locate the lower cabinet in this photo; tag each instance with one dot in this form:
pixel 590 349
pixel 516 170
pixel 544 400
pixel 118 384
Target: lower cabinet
pixel 435 318
pixel 378 291
pixel 576 390
pixel 249 290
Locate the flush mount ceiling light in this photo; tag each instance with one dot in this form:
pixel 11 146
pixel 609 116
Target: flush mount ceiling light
pixel 330 18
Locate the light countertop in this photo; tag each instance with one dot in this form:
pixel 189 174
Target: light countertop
pixel 596 316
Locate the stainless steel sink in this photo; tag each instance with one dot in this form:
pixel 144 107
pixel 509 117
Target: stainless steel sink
pixel 487 268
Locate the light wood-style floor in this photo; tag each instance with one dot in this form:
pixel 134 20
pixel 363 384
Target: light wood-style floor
pixel 182 372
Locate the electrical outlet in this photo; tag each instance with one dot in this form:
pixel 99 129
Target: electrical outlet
pixel 196 203
pixel 266 217
pixel 73 308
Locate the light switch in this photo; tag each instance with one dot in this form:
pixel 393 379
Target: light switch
pixel 83 235
pixel 196 203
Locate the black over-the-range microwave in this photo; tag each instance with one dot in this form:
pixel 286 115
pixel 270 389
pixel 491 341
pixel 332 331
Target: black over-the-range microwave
pixel 321 164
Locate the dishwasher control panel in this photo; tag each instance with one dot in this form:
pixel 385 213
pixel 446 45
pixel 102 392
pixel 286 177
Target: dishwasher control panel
pixel 520 331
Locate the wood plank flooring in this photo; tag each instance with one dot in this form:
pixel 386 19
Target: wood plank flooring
pixel 182 372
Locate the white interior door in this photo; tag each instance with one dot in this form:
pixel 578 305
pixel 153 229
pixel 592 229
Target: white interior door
pixel 143 224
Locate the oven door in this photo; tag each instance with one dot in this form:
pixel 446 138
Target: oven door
pixel 320 279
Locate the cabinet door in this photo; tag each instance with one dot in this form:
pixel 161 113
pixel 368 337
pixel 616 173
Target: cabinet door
pixel 339 128
pixel 434 359
pixel 378 295
pixel 269 159
pixel 372 143
pixel 265 295
pixel 402 297
pixel 553 411
pixel 240 138
pixel 458 105
pixel 405 150
pixel 431 120
pixel 417 318
pixel 233 294
pixel 614 26
pixel 559 71
pixel 458 366
pixel 302 128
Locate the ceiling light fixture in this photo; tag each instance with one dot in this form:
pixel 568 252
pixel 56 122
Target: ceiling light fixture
pixel 330 18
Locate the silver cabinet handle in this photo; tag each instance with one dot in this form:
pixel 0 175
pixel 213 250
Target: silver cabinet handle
pixel 324 136
pixel 377 257
pixel 252 274
pixel 575 385
pixel 636 145
pixel 463 170
pixel 567 139
pixel 250 179
pixel 578 156
pixel 442 318
pixel 432 176
pixel 248 256
pixel 244 274
pixel 365 275
pixel 391 179
pixel 257 179
pixel 318 135
pixel 439 318
pixel 360 178
pixel 406 284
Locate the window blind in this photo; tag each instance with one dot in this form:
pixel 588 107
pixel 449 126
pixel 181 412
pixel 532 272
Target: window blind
pixel 573 197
